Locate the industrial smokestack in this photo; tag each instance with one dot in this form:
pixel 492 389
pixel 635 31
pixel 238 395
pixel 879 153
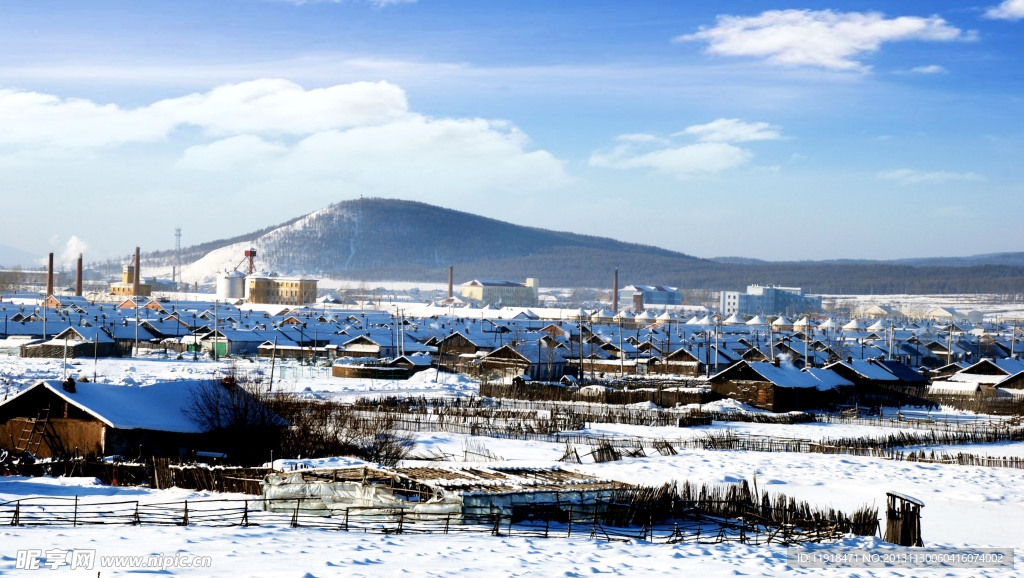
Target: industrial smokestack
pixel 615 292
pixel 450 295
pixel 49 277
pixel 78 277
pixel 135 279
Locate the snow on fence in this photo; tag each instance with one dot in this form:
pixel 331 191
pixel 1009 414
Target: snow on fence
pixel 657 392
pixel 666 515
pixel 437 414
pixel 926 420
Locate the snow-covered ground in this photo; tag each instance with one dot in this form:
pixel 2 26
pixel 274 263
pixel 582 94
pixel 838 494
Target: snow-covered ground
pixel 964 506
pixel 17 373
pixel 992 306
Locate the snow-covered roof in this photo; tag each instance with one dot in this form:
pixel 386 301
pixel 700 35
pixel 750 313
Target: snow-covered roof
pixel 949 387
pixel 867 369
pixel 785 375
pixel 828 378
pixel 158 407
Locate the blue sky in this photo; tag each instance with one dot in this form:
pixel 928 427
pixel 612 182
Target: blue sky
pixel 758 129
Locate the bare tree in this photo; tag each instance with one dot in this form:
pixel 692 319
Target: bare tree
pixel 236 413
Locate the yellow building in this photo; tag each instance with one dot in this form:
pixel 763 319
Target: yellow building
pixel 502 293
pixel 126 287
pixel 265 289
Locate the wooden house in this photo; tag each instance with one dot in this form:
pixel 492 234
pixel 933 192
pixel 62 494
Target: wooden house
pixel 778 387
pixel 52 419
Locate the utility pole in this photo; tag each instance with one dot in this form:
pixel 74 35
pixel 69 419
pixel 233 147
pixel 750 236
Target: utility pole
pixel 949 344
pixel 216 329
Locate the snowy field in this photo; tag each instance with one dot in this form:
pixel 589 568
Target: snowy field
pixel 17 373
pixel 992 306
pixel 964 506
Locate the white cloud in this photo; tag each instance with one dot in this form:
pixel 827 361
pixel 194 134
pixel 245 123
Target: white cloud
pixel 1008 10
pixel 914 177
pixel 269 140
pixel 412 154
pixel 711 154
pixel 641 138
pixel 280 106
pixel 682 162
pixel 733 130
pixel 231 153
pixel 822 38
pixel 929 69
pixel 32 119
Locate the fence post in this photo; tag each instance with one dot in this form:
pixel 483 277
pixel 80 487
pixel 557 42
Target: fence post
pixel 74 520
pixel 568 532
pixel 16 519
pixel 346 519
pixel 497 524
pixel 447 519
pixel 245 515
pixel 401 518
pixel 184 519
pixel 135 519
pixel 295 514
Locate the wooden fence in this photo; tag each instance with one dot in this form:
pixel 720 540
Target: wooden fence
pixel 665 515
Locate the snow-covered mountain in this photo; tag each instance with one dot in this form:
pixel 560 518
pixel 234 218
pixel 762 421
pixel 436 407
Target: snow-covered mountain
pixel 392 240
pixel 383 238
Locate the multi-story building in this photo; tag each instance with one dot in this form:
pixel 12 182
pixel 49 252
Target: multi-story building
pixel 126 287
pixel 652 295
pixel 768 300
pixel 274 290
pixel 502 293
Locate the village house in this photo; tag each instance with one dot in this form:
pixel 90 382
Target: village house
pixel 54 418
pixel 780 388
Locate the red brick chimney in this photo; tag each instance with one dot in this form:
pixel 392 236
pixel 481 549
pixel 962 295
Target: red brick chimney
pixel 78 277
pixel 49 277
pixel 615 292
pixel 135 279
